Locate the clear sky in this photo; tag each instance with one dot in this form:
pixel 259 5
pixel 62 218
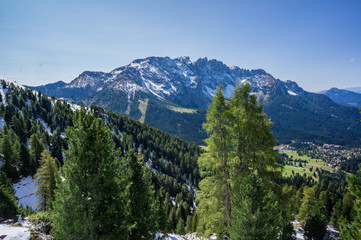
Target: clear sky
pixel 315 43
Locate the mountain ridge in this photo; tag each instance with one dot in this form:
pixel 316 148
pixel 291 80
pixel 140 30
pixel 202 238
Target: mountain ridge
pixel 181 83
pixel 344 97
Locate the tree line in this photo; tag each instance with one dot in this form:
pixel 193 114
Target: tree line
pixel 121 179
pixel 33 122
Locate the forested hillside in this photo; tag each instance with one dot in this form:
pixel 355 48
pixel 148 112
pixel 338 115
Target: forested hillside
pixel 115 178
pixel 32 122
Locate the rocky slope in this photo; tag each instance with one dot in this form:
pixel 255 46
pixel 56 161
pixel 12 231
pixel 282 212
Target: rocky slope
pixel 172 94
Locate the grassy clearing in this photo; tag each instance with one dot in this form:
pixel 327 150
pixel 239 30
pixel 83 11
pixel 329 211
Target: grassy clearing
pixel 287 171
pixel 181 110
pixel 315 163
pixel 143 105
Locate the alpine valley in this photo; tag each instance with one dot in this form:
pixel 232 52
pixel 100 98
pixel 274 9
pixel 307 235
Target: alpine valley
pixel 173 95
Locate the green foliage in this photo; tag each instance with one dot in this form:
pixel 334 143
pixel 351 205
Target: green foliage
pixel 309 203
pixel 142 219
pixel 33 115
pixel 316 124
pixel 255 211
pixel 8 203
pixel 36 148
pixel 180 227
pixel 314 211
pixel 210 207
pixel 351 230
pixel 45 179
pixel 288 232
pixel 189 224
pixel 240 146
pixel 88 202
pixel 216 161
pixel 9 158
pixel 351 165
pixel 161 214
pixel 316 226
pixel 43 221
pixel 187 126
pixel 172 219
pixel 173 160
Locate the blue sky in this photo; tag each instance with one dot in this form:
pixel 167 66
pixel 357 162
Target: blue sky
pixel 315 43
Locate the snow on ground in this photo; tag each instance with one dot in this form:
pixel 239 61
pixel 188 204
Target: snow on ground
pixel 74 106
pixel 2 93
pixel 332 233
pixel 191 236
pixel 299 235
pixel 47 128
pixel 14 232
pixel 292 93
pixel 25 189
pixel 228 91
pixel 2 123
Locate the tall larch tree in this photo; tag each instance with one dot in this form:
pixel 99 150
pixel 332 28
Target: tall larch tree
pixel 45 178
pixel 215 192
pixel 240 145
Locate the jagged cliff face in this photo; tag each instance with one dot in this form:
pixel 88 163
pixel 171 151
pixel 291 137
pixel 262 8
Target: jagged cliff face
pixel 160 91
pixel 179 80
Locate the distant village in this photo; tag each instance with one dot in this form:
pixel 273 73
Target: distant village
pixel 331 153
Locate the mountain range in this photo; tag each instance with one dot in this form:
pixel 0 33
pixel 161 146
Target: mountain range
pixel 173 95
pixel 354 89
pixel 344 97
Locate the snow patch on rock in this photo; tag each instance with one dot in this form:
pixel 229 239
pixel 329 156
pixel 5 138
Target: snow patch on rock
pixel 12 232
pixel 25 192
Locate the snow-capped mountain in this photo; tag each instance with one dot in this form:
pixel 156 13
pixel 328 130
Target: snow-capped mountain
pixel 179 80
pixel 172 94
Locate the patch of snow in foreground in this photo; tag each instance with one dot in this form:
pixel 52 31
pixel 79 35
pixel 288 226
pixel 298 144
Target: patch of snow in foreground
pixel 25 189
pixel 12 232
pixel 191 236
pixel 299 235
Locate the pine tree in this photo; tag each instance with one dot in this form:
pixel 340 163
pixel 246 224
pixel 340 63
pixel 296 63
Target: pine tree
pixel 255 213
pixel 194 222
pixel 139 193
pixel 161 214
pixel 56 145
pixel 36 148
pixel 316 226
pixel 189 224
pixel 352 230
pixel 25 159
pixel 308 203
pixel 172 219
pixel 9 166
pixel 180 227
pixel 8 203
pixel 45 179
pixel 89 200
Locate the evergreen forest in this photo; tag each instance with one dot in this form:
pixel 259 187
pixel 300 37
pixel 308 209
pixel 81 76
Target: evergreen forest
pixel 100 175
